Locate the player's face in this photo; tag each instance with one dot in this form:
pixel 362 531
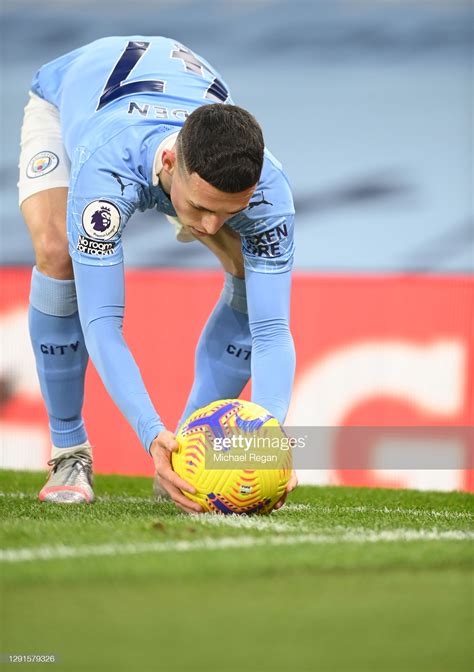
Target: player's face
pixel 201 206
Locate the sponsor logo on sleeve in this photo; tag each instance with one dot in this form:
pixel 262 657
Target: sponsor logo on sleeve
pixel 42 164
pixel 101 220
pixel 95 248
pixel 266 244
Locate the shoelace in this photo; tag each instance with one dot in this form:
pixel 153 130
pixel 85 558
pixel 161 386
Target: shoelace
pixel 81 457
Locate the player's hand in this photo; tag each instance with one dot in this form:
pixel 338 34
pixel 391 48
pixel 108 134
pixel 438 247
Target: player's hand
pixel 161 450
pixel 292 483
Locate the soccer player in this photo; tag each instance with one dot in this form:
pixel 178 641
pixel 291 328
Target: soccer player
pixel 131 123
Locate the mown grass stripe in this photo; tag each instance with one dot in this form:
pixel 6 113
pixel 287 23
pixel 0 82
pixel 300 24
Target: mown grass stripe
pixel 351 535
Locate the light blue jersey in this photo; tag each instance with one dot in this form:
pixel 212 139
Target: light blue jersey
pixel 119 98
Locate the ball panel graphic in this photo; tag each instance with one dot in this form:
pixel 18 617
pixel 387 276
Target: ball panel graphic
pixel 223 430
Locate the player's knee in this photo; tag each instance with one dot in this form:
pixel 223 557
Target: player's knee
pixel 45 216
pixel 52 255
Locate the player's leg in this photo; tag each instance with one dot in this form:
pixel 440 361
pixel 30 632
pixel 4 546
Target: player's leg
pixel 55 330
pixel 223 353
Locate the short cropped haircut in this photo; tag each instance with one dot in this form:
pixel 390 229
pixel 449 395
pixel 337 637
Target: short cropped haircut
pixel 224 145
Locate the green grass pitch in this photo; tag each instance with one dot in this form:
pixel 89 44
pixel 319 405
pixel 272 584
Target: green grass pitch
pixel 339 580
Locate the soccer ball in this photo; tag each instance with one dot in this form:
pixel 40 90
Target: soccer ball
pixel 219 435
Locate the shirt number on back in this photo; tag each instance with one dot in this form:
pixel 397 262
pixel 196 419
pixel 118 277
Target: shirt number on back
pixel 116 87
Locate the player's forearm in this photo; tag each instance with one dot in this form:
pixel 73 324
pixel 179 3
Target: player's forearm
pixel 100 293
pixel 273 352
pixel 121 377
pixel 273 365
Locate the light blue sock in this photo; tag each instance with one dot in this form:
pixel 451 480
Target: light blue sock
pixel 61 356
pixel 222 363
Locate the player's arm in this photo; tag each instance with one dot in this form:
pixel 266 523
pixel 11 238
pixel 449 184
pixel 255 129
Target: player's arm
pixel 273 352
pixel 268 261
pixel 100 294
pixel 94 231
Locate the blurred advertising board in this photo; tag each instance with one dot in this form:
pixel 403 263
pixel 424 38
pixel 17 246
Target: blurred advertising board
pixel 384 352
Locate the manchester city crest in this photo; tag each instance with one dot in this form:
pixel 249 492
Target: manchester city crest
pixel 42 164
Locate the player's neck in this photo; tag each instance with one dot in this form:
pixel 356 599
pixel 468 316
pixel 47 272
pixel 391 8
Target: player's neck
pixel 165 181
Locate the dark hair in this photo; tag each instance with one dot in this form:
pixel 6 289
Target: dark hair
pixel 223 144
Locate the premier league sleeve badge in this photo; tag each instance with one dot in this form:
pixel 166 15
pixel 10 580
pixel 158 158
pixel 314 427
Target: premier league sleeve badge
pixel 101 220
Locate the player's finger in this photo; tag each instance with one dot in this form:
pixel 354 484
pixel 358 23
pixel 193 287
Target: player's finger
pixel 293 482
pixel 180 500
pixel 280 502
pixel 165 471
pixel 169 442
pixel 175 493
pixel 185 509
pixel 188 506
pixel 173 478
pixel 178 497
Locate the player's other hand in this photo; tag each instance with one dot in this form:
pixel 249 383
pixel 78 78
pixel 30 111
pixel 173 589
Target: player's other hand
pixel 161 450
pixel 292 483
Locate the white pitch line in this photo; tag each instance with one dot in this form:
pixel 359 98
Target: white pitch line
pixel 295 506
pixel 353 535
pixel 259 523
pixel 433 513
pixel 290 506
pixel 103 498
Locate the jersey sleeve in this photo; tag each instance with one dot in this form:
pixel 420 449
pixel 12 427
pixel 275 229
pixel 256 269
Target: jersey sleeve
pixel 96 217
pixel 102 197
pixel 268 245
pixel 101 302
pixel 267 225
pixel 267 233
pixel 273 352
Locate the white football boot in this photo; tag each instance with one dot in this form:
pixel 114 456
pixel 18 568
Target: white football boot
pixel 70 478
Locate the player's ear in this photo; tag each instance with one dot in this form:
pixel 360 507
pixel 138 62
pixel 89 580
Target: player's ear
pixel 168 159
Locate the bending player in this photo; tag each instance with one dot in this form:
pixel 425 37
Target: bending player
pixel 126 124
